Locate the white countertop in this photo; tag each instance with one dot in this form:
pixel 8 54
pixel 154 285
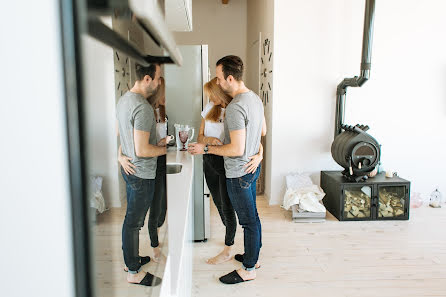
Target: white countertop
pixel 179 188
pixel 178 157
pixel 179 204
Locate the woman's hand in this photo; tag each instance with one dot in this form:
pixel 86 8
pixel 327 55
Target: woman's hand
pixel 129 167
pixel 254 163
pixel 213 141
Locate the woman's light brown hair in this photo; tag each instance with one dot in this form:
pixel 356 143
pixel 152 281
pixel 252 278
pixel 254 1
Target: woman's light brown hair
pixel 157 97
pixel 216 94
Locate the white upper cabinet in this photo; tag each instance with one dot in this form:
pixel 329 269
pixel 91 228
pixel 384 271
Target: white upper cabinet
pixel 179 15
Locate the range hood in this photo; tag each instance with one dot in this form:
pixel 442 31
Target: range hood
pixel 147 14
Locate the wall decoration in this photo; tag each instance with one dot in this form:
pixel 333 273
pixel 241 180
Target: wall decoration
pixel 266 68
pixel 122 74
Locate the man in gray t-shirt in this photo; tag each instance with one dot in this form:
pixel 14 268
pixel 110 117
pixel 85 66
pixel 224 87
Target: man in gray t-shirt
pixel 137 131
pixel 134 112
pixel 244 125
pixel 244 112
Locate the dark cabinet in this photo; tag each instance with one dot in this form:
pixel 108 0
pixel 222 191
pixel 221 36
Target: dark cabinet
pixel 378 198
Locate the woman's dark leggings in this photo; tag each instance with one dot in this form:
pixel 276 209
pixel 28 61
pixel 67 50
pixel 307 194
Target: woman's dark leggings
pixel 158 208
pixel 214 171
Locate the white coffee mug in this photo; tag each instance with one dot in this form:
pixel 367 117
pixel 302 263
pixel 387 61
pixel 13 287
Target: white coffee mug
pixel 390 173
pixel 169 138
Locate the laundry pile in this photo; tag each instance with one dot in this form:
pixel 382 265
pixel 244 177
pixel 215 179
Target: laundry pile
pixel 304 198
pixel 97 202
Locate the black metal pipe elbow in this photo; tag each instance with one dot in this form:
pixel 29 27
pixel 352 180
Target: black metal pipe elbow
pixel 362 80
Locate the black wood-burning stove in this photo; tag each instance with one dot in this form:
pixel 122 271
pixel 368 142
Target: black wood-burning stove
pixel 350 194
pixel 356 151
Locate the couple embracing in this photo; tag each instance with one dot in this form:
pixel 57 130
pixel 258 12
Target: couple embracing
pixel 230 133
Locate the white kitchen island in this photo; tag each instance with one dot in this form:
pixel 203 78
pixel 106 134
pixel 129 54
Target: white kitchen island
pixel 177 279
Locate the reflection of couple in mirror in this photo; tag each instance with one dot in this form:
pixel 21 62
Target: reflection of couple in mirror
pixel 141 120
pixel 231 128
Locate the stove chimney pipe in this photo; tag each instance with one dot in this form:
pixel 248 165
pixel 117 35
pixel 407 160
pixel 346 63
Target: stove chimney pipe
pixel 365 67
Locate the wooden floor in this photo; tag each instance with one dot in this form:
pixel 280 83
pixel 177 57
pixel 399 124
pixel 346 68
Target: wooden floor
pixel 387 258
pixel 108 260
pixel 379 259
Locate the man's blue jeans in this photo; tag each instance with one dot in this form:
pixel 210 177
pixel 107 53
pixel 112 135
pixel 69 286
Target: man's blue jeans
pixel 139 197
pixel 242 192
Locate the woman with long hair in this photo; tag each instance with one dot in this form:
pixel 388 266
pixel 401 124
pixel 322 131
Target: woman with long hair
pixel 158 208
pixel 212 133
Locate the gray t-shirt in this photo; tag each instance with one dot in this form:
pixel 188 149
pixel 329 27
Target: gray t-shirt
pixel 134 112
pixel 244 112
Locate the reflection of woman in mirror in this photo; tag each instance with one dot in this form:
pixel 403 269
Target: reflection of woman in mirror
pixel 158 208
pixel 212 133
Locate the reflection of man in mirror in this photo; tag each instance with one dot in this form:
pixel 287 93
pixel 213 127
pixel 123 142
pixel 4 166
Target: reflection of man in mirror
pixel 244 125
pixel 158 207
pixel 137 131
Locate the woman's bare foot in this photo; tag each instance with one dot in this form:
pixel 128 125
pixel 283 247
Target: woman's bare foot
pixel 224 256
pixel 156 253
pixel 246 275
pixel 158 256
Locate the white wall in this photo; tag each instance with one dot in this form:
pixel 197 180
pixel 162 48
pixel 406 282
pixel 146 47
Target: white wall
pixel 222 27
pixel 101 116
pixel 260 14
pixel 404 102
pixel 36 232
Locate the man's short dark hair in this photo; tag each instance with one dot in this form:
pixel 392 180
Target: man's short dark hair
pixel 142 71
pixel 231 65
